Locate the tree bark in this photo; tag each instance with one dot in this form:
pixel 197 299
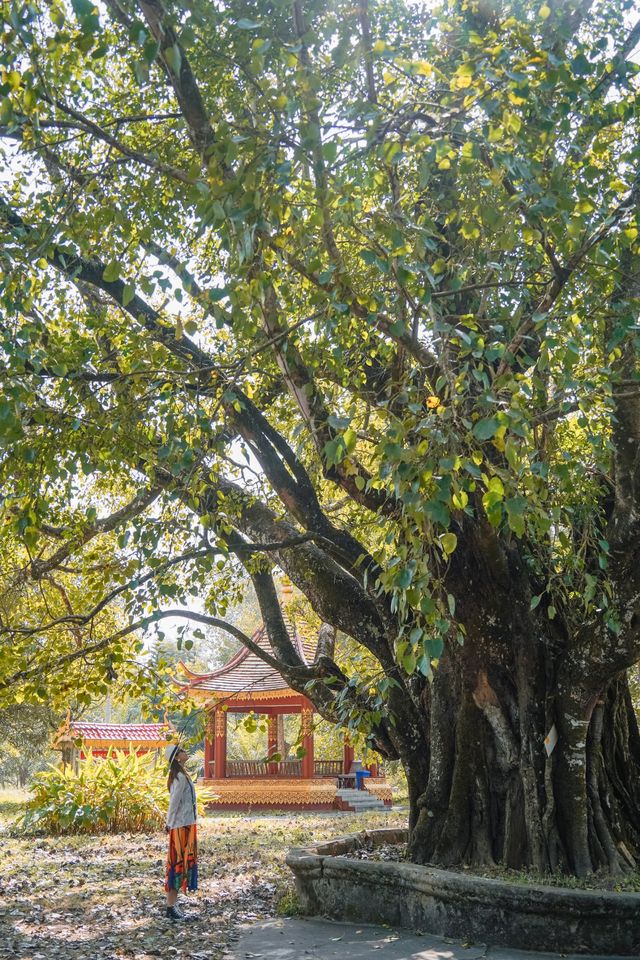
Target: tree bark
pixel 492 795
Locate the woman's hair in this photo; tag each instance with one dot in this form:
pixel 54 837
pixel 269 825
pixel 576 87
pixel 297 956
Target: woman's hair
pixel 175 768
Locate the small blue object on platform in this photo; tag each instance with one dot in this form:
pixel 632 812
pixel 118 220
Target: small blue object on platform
pixel 360 775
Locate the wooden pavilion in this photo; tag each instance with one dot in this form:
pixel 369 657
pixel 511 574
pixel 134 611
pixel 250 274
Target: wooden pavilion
pixel 246 684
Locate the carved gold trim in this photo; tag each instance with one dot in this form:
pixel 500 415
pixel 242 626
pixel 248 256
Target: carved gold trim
pixel 133 745
pixel 220 723
pixel 243 695
pixel 250 791
pixel 380 790
pixel 307 722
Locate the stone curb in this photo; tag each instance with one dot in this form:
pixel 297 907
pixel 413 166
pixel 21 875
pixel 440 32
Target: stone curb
pixel 460 906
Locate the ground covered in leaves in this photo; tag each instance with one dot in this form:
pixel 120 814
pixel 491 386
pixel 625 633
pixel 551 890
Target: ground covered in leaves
pixel 102 897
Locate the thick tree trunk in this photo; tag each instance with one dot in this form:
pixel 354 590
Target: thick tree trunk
pixel 494 796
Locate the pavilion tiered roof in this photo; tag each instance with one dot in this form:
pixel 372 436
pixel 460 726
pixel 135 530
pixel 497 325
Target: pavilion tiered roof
pixel 246 672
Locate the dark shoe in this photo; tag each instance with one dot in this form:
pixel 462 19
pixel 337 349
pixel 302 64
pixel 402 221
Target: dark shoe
pixel 174 914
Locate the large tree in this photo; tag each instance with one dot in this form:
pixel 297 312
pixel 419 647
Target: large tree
pixel 350 289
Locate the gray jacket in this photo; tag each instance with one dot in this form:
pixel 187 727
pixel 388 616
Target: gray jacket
pixel 182 803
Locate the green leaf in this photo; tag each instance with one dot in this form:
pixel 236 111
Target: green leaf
pixel 580 65
pixel 485 429
pixel 87 14
pixel 215 294
pixel 174 58
pixel 449 542
pixel 460 500
pixel 128 293
pixel 350 439
pixel 338 423
pixel 516 508
pixel 435 647
pixel 335 451
pixel 83 8
pixel 404 577
pixel 112 271
pixel 437 512
pixel 409 662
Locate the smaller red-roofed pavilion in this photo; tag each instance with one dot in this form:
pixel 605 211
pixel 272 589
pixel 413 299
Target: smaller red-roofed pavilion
pixel 97 739
pixel 246 684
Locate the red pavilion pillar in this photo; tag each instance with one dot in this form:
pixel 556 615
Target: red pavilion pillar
pixel 220 743
pixel 272 742
pixel 347 754
pixel 308 762
pixel 209 735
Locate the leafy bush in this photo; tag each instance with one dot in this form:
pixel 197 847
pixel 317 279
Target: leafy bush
pixel 122 793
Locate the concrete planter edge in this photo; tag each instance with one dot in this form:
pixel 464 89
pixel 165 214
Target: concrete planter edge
pixel 461 906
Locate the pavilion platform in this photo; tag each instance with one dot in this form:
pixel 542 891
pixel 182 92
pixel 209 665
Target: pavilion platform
pixel 262 791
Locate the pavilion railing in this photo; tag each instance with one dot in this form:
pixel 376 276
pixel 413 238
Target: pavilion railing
pixel 290 768
pixel 327 768
pixel 282 768
pixel 247 768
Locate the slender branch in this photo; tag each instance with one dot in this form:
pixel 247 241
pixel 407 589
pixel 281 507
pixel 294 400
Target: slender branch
pixel 181 77
pixel 140 502
pixel 403 338
pixel 84 618
pixel 621 55
pixel 92 127
pixel 141 624
pixel 545 303
pixel 365 27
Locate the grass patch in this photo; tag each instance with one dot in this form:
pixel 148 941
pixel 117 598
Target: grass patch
pixel 289 904
pixel 12 806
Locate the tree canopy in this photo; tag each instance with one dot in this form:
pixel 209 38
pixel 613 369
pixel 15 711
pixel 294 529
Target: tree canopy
pixel 351 289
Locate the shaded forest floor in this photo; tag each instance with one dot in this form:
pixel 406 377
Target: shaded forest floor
pixel 102 897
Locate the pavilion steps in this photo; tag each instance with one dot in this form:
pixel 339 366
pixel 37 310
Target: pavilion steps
pixel 358 801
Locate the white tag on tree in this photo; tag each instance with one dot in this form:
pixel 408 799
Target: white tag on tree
pixel 550 740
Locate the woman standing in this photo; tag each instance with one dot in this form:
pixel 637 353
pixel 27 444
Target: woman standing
pixel 182 857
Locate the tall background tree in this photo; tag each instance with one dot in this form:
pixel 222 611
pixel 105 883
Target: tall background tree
pixel 351 289
pixel 25 734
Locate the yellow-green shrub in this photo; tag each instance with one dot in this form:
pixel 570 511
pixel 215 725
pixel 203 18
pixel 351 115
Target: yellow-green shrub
pixel 120 793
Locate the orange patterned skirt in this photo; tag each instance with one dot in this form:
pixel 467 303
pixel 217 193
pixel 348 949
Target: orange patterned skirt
pixel 182 859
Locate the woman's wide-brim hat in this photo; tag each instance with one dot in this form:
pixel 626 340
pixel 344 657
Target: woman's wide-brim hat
pixel 172 751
